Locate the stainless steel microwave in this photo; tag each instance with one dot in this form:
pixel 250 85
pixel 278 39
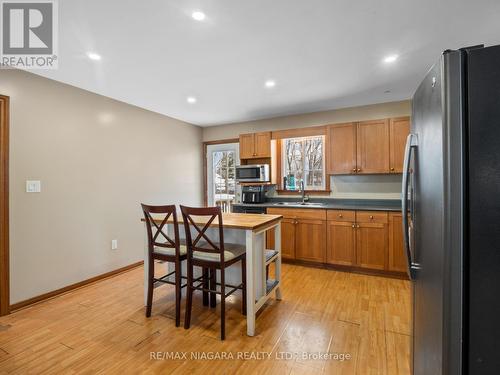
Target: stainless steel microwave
pixel 252 173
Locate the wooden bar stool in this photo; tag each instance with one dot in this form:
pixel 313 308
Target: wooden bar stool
pixel 210 256
pixel 162 247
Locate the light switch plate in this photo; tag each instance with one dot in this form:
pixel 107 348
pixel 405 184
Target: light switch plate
pixel 114 244
pixel 33 186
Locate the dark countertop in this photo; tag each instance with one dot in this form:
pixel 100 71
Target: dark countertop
pixel 332 204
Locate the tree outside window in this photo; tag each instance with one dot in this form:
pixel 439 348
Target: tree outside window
pixel 303 158
pixel 224 172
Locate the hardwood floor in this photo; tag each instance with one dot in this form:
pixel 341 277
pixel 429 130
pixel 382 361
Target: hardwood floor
pixel 101 328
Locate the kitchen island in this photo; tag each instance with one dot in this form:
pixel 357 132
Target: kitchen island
pixel 249 230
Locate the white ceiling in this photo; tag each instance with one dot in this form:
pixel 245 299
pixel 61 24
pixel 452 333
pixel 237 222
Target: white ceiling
pixel 323 54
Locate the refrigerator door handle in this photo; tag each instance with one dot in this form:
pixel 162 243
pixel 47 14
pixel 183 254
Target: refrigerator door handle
pixel 411 145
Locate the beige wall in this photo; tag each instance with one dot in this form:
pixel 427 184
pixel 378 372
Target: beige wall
pixel 97 159
pixel 368 112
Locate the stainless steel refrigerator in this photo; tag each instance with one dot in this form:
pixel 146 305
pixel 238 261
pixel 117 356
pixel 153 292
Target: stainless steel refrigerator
pixel 451 194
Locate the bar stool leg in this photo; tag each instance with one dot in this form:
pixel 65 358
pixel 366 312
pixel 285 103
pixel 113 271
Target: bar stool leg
pixel 213 286
pixel 151 274
pixel 178 292
pixel 189 296
pixel 205 286
pixel 222 305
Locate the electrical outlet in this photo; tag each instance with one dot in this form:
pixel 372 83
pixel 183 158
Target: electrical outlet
pixel 114 244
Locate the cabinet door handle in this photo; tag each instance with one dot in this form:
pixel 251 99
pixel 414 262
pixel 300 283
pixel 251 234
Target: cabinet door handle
pixel 371 217
pixel 359 170
pixel 357 225
pixel 340 215
pixel 354 225
pixel 392 169
pixel 354 170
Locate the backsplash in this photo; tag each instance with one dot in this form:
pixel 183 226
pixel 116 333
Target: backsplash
pixel 361 187
pixel 366 187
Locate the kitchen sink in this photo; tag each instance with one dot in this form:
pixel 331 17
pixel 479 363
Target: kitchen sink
pixel 298 204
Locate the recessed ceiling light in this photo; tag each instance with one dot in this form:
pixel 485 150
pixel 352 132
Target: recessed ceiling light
pixel 191 99
pixel 93 56
pixel 390 59
pixel 198 16
pixel 270 83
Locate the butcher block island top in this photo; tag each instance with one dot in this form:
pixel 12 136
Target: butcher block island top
pixel 253 222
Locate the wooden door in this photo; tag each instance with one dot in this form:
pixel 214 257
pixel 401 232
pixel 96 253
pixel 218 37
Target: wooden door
pixel 288 238
pixel 399 128
pixel 397 257
pixel 371 245
pixel 270 239
pixel 341 243
pixel 247 146
pixel 341 149
pixel 310 240
pixel 262 146
pixel 372 143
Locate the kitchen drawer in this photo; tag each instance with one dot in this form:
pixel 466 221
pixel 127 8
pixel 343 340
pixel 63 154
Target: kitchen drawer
pixel 341 215
pixel 298 213
pixel 372 217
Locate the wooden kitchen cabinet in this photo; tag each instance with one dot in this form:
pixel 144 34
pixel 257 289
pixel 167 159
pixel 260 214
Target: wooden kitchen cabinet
pixel 372 147
pixel 255 145
pixel 399 128
pixel 358 239
pixel 341 141
pixel 303 234
pixel 310 240
pixel 397 256
pixel 288 238
pixel 371 245
pixel 370 240
pixel 263 145
pixel 246 146
pixel 367 147
pixel 341 243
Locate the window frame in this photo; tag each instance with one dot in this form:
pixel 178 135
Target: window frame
pixel 279 165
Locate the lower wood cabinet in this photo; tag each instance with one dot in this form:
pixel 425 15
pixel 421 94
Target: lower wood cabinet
pixel 340 243
pixel 397 257
pixel 303 234
pixel 371 245
pixel 358 238
pixel 288 238
pixel 370 240
pixel 310 240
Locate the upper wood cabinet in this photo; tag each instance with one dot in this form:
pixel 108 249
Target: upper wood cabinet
pixel 341 141
pixel 367 147
pixel 399 128
pixel 255 145
pixel 372 145
pixel 246 146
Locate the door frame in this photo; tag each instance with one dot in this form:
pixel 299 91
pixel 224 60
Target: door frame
pixel 4 206
pixel 205 172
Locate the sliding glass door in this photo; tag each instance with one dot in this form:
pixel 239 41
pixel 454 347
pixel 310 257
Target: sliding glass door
pixel 222 189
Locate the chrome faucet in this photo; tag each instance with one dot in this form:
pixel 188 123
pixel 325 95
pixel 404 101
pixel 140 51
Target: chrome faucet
pixel 303 191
